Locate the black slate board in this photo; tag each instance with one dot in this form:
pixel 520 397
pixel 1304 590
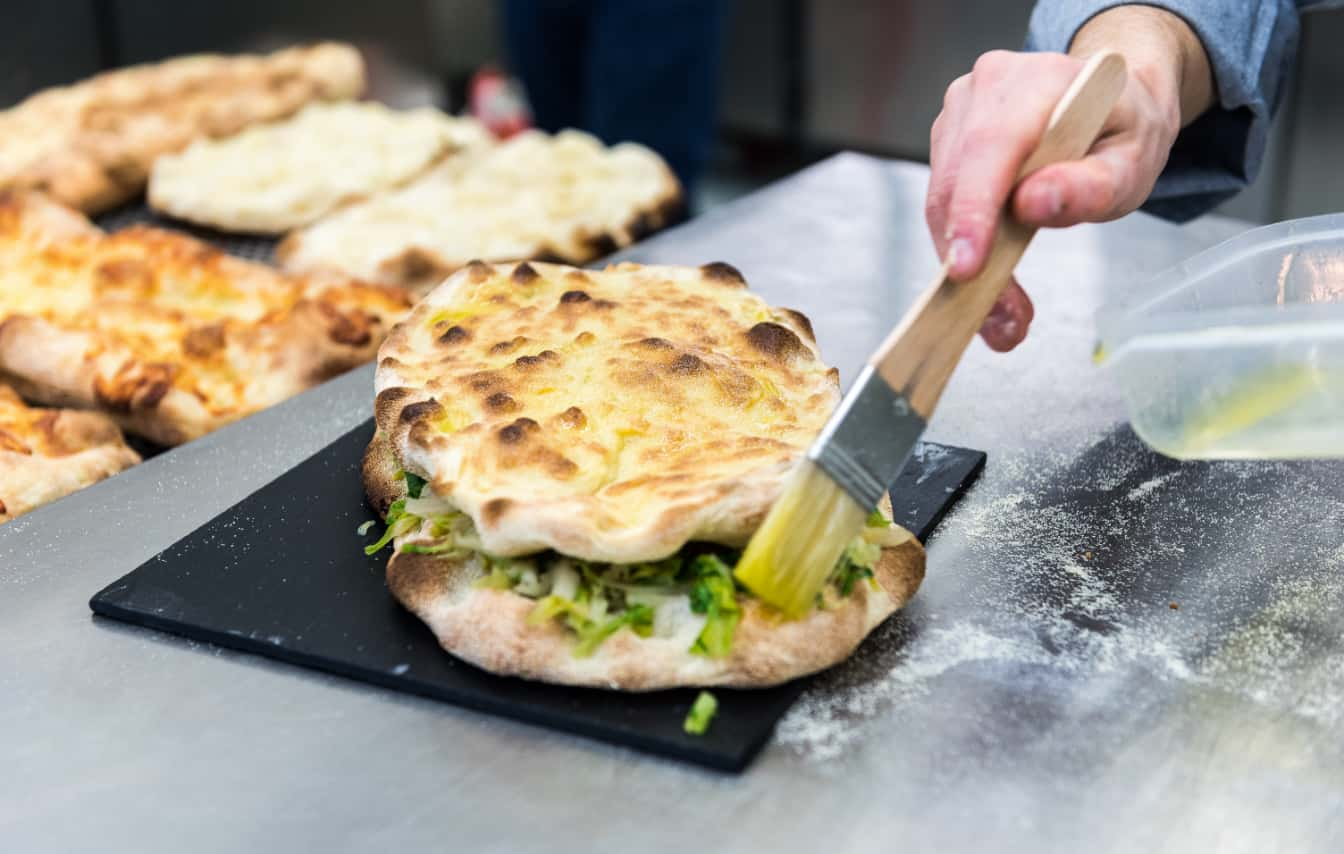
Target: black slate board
pixel 283 574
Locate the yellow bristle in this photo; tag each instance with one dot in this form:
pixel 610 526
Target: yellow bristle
pixel 791 555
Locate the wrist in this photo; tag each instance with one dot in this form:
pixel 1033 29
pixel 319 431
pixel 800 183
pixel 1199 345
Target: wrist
pixel 1163 53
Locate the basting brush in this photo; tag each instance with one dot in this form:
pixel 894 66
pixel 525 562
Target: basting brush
pixel 868 439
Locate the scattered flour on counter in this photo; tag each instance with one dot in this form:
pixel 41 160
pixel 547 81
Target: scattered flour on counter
pixel 1049 566
pixel 1146 487
pixel 824 723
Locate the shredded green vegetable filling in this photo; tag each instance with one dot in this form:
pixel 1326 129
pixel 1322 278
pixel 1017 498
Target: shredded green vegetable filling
pixel 715 596
pixel 595 601
pixel 703 710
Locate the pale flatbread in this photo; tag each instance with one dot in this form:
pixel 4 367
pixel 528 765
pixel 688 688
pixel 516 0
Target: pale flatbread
pixel 91 145
pixel 565 198
pixel 46 454
pixel 274 177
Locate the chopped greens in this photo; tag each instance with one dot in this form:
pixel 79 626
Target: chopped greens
pixel 363 530
pixel 398 522
pixel 415 484
pixel 703 710
pixel 587 619
pixel 714 595
pixel 597 600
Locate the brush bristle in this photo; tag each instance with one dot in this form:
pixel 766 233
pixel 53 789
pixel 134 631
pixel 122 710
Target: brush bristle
pixel 791 555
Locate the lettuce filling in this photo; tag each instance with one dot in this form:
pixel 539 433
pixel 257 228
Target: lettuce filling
pixel 597 600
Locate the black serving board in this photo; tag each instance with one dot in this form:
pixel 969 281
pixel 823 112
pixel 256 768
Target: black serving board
pixel 283 574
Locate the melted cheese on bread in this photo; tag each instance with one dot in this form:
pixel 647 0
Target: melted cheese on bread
pixel 49 453
pixel 611 416
pixel 117 321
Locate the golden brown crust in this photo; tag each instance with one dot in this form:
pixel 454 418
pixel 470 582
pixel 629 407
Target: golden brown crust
pixel 490 629
pixel 46 454
pixel 168 335
pixel 91 145
pixel 547 385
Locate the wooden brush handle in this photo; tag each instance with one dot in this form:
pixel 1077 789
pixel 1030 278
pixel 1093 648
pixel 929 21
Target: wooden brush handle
pixel 919 355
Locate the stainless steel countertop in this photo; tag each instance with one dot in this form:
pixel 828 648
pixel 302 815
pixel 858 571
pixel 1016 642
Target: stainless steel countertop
pixel 1040 693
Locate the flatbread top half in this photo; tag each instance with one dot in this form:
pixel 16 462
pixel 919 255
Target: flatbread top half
pixel 610 416
pixel 166 334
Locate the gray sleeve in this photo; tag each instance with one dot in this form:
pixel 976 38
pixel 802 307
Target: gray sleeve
pixel 1251 48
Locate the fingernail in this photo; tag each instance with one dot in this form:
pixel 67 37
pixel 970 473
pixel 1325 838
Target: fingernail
pixel 959 255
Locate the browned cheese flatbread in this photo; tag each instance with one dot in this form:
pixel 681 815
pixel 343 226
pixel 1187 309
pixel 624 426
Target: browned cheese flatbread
pixel 605 425
pixel 46 454
pixel 91 145
pixel 167 335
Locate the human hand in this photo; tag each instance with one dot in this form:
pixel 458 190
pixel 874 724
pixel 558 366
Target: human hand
pixel 993 118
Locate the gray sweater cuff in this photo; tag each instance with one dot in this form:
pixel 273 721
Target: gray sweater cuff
pixel 1250 49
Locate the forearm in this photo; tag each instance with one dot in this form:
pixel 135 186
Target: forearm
pixel 1162 53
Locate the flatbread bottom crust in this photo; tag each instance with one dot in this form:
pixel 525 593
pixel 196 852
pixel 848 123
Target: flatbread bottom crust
pixel 489 628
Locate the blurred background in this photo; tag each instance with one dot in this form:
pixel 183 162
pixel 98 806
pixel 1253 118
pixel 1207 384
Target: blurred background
pixel 734 93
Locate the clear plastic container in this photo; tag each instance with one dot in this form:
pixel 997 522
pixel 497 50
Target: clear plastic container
pixel 1239 351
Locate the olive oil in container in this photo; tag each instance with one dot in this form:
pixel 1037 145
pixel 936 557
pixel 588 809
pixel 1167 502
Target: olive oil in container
pixel 1238 353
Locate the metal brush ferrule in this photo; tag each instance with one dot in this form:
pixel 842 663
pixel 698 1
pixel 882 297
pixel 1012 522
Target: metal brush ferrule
pixel 868 439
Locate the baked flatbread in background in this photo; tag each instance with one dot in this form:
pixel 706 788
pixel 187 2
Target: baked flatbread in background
pixel 568 461
pixel 167 335
pixel 274 177
pixel 46 454
pixel 561 198
pixel 91 145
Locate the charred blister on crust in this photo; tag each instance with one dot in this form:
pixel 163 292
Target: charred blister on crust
pixel 723 273
pixel 528 363
pixel 130 274
pixel 524 274
pixel 202 342
pixel 352 328
pixel 570 297
pixel 478 271
pixel 518 431
pixel 135 386
pixel 504 347
pixel 833 375
pixel 484 381
pixel 415 264
pixel 777 342
pixel 601 244
pixel 655 343
pixel 455 335
pixel 493 510
pixel 803 323
pixel 502 402
pixel 388 403
pixel 573 418
pixel 421 410
pixel 687 364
